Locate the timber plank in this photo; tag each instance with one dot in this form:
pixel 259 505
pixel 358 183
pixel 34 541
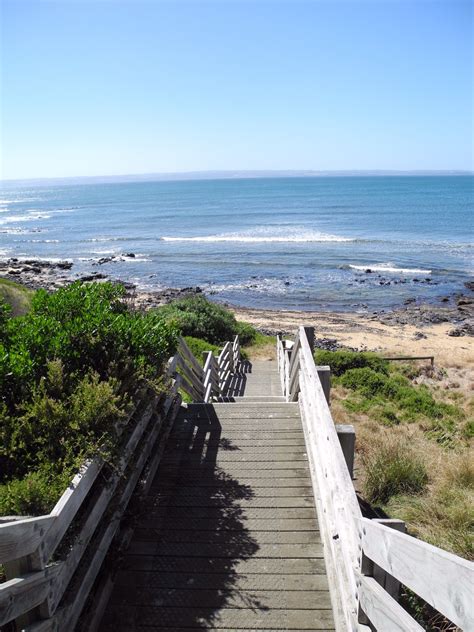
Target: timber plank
pixel 234 515
pixel 226 549
pixel 196 494
pixel 259 501
pixel 228 598
pixel 153 534
pixel 206 581
pixel 209 524
pixel 158 617
pixel 198 565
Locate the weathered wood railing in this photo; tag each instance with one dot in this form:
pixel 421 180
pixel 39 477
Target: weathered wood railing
pixel 203 384
pixel 366 559
pixel 51 562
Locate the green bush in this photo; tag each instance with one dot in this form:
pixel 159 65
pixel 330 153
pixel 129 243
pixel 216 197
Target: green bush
pixel 393 470
pixel 68 370
pixel 342 361
pixel 247 334
pixel 87 327
pixel 395 399
pixel 365 380
pixel 198 346
pixel 35 494
pixel 197 317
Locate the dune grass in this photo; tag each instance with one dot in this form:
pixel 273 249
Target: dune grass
pixel 414 446
pixel 17 296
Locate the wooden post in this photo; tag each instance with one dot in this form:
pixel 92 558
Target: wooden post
pixel 324 373
pixel 387 581
pixel 346 436
pixel 309 331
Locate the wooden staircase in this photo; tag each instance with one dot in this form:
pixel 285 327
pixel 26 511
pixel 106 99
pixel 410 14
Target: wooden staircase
pixel 228 538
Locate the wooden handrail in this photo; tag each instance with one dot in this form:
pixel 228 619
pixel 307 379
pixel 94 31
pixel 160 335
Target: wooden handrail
pixel 88 507
pixel 444 580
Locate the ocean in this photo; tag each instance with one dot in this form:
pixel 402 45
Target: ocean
pixel 356 243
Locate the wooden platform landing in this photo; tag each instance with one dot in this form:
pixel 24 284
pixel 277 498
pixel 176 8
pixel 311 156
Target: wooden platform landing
pixel 228 538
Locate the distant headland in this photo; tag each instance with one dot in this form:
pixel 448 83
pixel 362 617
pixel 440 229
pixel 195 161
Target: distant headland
pixel 231 174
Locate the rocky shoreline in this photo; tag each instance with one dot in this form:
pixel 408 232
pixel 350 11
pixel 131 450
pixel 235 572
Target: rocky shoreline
pixel 457 309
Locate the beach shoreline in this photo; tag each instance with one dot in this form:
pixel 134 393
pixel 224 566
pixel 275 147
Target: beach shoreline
pixel 444 331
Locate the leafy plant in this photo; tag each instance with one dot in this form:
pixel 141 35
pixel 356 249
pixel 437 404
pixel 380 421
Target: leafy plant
pixel 197 317
pixel 342 361
pixel 68 370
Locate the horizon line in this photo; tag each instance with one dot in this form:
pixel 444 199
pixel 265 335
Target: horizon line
pixel 216 174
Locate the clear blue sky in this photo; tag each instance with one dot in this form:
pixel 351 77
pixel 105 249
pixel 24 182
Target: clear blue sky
pixel 118 87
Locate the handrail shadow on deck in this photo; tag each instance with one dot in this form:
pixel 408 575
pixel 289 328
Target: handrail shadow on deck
pixel 238 382
pixel 189 539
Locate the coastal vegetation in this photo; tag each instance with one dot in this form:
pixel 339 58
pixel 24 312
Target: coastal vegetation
pixel 70 370
pixel 414 442
pixel 197 317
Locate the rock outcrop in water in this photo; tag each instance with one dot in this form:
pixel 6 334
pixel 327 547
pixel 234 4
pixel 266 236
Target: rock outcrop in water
pixel 36 273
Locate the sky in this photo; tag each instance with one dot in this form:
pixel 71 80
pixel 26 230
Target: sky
pixel 144 86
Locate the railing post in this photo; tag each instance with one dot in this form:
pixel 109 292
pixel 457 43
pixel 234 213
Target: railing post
pixel 231 357
pixel 346 436
pixel 309 331
pixel 324 373
pixel 369 568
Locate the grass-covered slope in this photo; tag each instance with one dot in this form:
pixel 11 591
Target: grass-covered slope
pixel 17 296
pixel 414 445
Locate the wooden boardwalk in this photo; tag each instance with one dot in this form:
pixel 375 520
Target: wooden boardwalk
pixel 228 538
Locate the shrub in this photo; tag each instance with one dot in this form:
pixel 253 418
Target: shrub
pixel 34 494
pixel 87 327
pixel 197 317
pixel 365 380
pixel 342 361
pixel 68 370
pixel 247 334
pixel 198 346
pixel 393 469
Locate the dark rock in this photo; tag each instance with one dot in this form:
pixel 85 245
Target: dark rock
pixel 419 335
pixel 64 265
pixel 287 283
pixel 469 285
pixel 130 254
pixel 368 271
pixel 466 329
pixel 445 299
pixel 92 277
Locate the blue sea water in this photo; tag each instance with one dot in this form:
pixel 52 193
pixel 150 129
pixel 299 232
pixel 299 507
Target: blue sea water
pixel 290 243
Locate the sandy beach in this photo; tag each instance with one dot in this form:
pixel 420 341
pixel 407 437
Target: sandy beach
pixel 369 333
pixel 444 330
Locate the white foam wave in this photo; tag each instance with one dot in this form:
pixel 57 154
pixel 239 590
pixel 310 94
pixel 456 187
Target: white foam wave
pixel 24 218
pixel 44 241
pixel 258 286
pixel 388 267
pixel 264 236
pixel 102 239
